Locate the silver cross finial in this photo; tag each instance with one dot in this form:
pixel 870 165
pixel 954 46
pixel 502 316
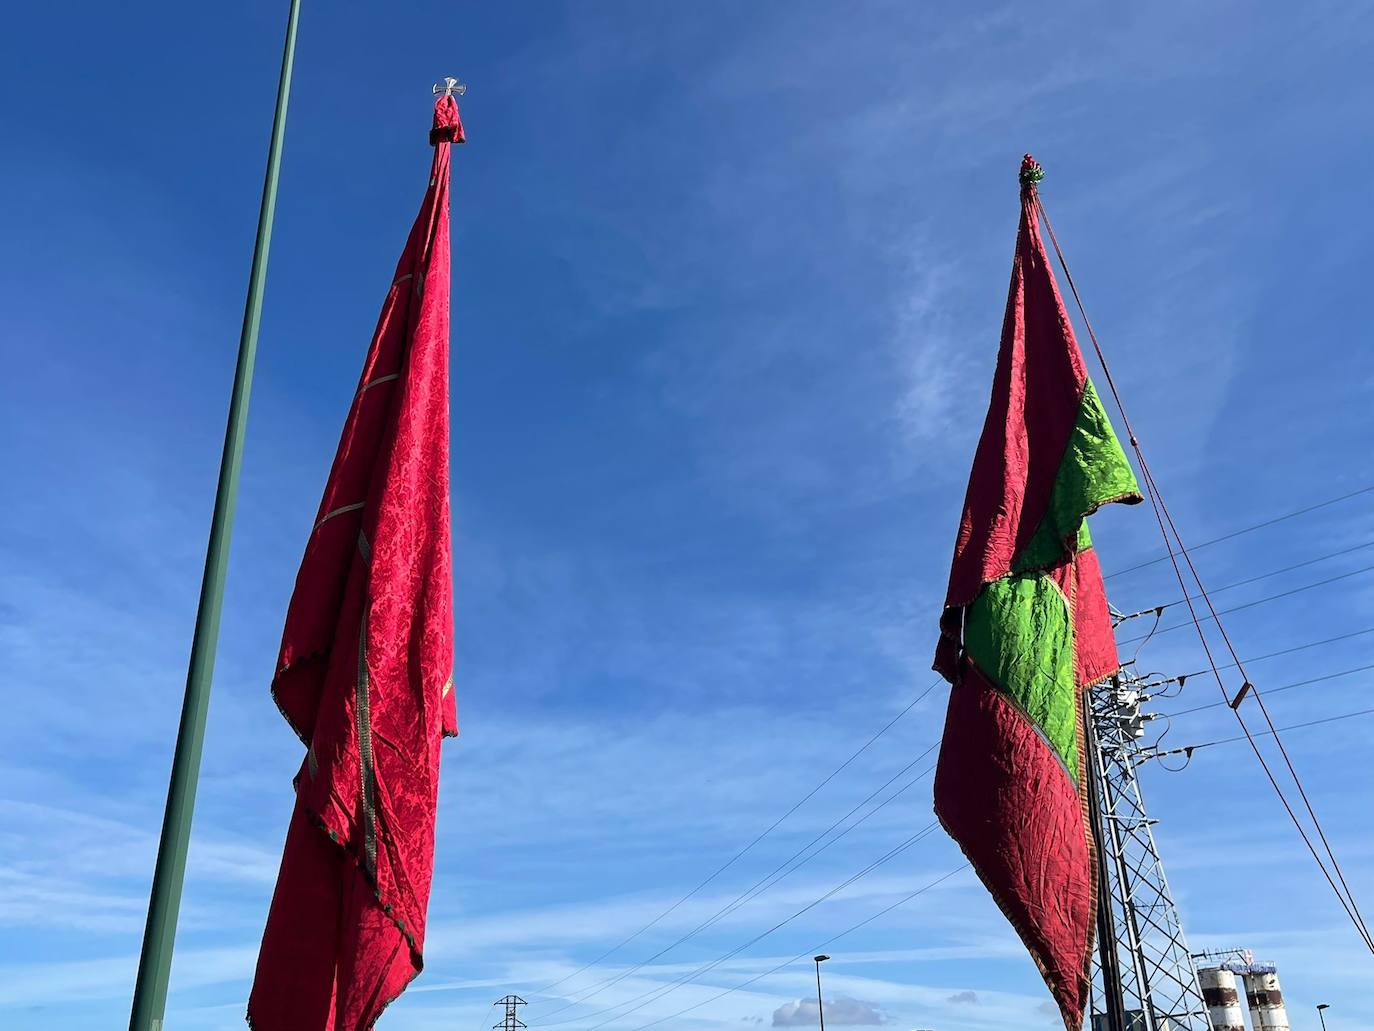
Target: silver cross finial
pixel 449 87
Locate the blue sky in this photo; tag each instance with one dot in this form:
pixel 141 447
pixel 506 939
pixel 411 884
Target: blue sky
pixel 727 286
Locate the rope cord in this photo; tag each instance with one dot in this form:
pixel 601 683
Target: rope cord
pixel 1163 517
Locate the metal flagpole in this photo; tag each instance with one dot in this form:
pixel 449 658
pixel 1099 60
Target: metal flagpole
pixel 155 961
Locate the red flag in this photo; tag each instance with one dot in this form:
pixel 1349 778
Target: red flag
pixel 365 675
pixel 1026 628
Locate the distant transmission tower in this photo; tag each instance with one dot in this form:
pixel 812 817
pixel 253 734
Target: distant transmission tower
pixel 1157 978
pixel 510 1022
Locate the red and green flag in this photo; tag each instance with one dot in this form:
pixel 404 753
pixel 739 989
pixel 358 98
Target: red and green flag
pixel 1026 629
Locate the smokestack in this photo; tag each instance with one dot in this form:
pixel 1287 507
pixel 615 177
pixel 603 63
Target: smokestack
pixel 1266 1001
pixel 1222 1000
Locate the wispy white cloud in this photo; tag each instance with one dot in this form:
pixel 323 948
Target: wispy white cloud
pixel 842 1012
pixel 735 385
pixel 27 984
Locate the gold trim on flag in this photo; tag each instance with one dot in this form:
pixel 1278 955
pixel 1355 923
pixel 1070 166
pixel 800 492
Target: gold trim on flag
pixel 380 379
pixel 338 511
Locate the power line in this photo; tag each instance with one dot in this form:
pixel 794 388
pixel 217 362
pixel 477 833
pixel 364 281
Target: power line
pixel 740 854
pixel 883 730
pixel 1216 540
pixel 1190 749
pixel 767 882
pixel 1244 530
pixel 1291 650
pixel 1275 690
pixel 772 878
pixel 783 869
pixel 815 948
pixel 788 866
pixel 1163 516
pixel 1157 609
pixel 1248 605
pixel 1300 647
pixel 1288 569
pixel 659 993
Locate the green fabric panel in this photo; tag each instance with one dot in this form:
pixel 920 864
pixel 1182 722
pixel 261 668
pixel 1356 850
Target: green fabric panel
pixel 1020 633
pixel 1092 472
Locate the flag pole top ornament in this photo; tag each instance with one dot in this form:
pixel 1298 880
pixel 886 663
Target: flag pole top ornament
pixel 1031 173
pixel 448 124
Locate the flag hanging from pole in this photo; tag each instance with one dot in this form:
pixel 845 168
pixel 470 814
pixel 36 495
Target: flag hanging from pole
pixel 1026 628
pixel 365 675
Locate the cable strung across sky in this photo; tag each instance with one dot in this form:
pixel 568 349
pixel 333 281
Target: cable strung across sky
pixel 787 866
pixel 1248 605
pixel 1277 690
pixel 1245 529
pixel 791 864
pixel 741 853
pixel 794 862
pixel 659 991
pixel 921 697
pixel 1178 549
pixel 1190 749
pixel 1248 580
pixel 815 948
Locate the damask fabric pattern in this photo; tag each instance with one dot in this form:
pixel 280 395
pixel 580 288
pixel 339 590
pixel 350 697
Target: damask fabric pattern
pixel 365 671
pixel 1026 628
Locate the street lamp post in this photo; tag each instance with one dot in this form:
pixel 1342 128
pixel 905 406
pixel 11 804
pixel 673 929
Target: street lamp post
pixel 820 1006
pixel 1320 1007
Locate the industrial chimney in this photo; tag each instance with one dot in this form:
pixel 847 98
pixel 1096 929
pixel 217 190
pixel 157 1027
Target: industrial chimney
pixel 1223 1001
pixel 1262 992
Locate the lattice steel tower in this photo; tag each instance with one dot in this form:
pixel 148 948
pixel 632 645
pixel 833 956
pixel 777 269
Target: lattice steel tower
pixel 1157 975
pixel 510 1022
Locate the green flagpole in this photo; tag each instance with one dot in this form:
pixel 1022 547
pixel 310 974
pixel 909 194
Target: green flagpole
pixel 155 961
